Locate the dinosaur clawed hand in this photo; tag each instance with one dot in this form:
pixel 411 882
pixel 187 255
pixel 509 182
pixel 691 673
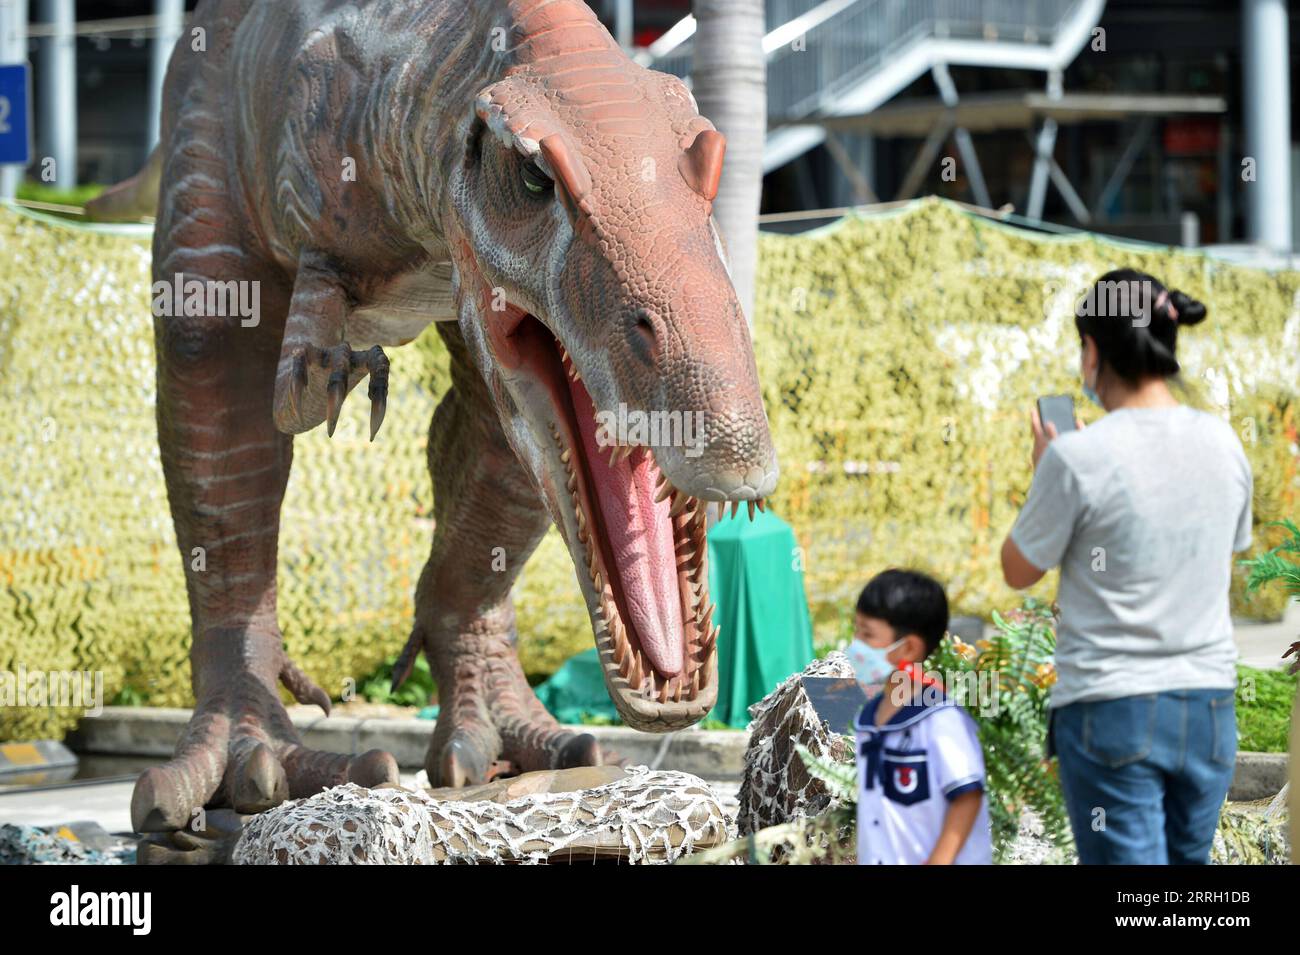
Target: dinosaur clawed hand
pixel 240 754
pixel 344 365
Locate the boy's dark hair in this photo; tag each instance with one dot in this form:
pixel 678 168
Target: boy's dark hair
pixel 909 602
pixel 1134 320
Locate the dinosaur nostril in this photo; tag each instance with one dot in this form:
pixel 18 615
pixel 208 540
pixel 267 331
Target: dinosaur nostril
pixel 643 334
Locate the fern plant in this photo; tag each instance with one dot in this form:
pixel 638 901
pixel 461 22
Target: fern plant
pixel 839 778
pixel 1004 682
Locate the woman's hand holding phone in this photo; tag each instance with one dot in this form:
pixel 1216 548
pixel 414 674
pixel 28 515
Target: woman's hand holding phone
pixel 1043 434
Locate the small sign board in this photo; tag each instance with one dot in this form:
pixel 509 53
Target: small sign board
pixel 837 700
pixel 15 137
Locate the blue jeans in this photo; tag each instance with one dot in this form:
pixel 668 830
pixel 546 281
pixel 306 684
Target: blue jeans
pixel 1144 777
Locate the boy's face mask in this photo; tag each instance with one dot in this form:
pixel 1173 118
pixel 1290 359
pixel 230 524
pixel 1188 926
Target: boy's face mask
pixel 871 664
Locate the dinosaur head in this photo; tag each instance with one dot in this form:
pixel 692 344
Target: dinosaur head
pixel 596 300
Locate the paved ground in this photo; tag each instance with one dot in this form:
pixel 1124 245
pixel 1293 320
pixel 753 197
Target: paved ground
pixel 107 803
pixel 1262 644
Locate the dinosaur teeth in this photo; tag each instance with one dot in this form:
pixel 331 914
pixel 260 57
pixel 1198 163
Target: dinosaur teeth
pixel 751 510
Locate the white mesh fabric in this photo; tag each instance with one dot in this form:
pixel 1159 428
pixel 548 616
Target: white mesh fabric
pixel 645 817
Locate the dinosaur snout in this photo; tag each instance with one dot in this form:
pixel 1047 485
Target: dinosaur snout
pixel 726 456
pixel 726 453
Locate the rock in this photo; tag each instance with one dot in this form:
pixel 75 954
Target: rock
pixel 580 815
pixel 777 787
pixel 84 843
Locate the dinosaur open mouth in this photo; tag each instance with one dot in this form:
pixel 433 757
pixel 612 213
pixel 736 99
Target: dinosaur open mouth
pixel 641 544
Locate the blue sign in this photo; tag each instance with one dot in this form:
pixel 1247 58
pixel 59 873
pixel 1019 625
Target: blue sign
pixel 14 138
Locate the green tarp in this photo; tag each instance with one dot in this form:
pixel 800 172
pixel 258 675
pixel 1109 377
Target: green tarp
pixel 756 579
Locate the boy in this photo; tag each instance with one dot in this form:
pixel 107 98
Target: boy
pixel 920 767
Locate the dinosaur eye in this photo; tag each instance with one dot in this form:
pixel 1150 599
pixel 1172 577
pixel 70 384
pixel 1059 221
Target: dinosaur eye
pixel 536 181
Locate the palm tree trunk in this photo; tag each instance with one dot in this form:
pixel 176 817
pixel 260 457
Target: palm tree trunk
pixel 729 82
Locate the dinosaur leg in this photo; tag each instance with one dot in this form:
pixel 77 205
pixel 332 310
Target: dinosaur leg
pixel 226 467
pixel 488 520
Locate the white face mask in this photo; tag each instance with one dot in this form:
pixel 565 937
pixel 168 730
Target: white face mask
pixel 871 664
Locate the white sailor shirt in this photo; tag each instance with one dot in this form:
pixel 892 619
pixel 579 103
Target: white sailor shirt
pixel 908 770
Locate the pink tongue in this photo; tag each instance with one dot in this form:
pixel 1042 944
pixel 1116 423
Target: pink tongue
pixel 640 537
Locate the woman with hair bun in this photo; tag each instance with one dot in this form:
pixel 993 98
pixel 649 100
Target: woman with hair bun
pixel 1142 511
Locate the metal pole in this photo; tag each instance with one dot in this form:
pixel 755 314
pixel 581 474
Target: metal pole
pixel 13 49
pixel 1266 85
pixel 171 20
pixel 623 23
pixel 965 145
pixel 58 78
pixel 1042 169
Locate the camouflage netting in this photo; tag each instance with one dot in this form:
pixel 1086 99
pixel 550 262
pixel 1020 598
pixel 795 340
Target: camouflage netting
pixel 777 787
pixel 643 817
pixel 899 355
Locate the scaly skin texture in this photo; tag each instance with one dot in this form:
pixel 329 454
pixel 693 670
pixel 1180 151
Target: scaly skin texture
pixel 500 168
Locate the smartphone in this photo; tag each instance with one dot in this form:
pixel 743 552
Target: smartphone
pixel 1059 410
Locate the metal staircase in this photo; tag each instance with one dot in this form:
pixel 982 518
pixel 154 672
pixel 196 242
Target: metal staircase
pixel 843 57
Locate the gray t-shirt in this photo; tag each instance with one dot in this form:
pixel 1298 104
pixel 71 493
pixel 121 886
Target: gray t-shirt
pixel 1142 510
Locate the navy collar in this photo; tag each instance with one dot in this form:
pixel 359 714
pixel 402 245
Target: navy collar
pixel 904 717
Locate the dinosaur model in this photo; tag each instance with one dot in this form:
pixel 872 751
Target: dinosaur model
pixel 502 169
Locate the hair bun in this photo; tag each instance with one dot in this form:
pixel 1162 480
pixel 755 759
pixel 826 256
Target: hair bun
pixel 1190 311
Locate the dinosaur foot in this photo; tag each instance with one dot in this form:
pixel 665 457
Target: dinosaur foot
pixel 343 366
pixel 240 752
pixel 492 724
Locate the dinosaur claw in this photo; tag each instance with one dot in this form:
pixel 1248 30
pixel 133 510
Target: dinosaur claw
pixel 373 768
pixel 302 687
pixel 297 382
pixel 338 390
pixel 155 806
pixel 461 765
pixel 258 782
pixel 581 750
pixel 377 362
